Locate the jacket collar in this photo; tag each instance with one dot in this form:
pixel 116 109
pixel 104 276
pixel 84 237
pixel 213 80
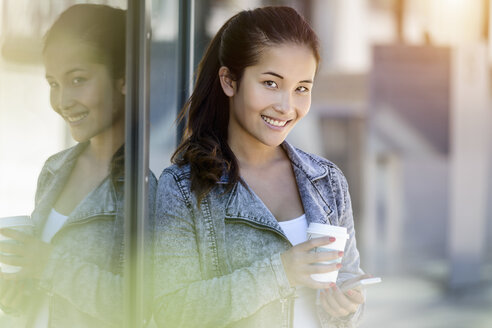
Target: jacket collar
pixel 61 160
pixel 103 199
pixel 311 167
pixel 244 204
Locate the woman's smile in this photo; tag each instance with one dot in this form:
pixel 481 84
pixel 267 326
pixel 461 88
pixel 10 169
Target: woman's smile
pixel 273 122
pixel 75 119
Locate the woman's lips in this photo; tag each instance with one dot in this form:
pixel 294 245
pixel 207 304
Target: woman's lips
pixel 274 122
pixel 74 119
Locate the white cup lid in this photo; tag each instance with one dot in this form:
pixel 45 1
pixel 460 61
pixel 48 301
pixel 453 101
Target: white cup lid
pixel 15 221
pixel 328 230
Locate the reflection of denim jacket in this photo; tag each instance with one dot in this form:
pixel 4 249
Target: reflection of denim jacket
pixel 219 265
pixel 83 278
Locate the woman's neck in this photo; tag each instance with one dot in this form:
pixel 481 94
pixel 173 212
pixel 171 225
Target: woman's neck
pixel 252 154
pixel 103 146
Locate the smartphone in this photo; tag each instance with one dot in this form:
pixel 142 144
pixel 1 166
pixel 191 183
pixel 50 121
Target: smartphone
pixel 362 282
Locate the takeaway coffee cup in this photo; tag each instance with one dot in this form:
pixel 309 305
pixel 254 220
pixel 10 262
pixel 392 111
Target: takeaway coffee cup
pixel 317 230
pixel 21 223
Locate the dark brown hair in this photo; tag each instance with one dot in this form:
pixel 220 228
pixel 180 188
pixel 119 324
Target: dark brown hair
pixel 102 27
pixel 237 45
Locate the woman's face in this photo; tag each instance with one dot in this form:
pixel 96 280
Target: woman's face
pixel 273 95
pixel 82 90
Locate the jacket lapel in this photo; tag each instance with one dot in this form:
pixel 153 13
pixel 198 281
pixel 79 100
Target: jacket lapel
pixel 243 204
pixel 58 169
pixel 309 174
pixel 98 202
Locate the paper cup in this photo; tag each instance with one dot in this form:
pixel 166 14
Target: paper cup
pixel 317 230
pixel 21 223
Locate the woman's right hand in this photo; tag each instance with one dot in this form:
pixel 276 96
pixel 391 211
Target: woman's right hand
pixel 300 263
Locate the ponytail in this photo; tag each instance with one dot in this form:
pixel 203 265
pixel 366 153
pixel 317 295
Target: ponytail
pixel 204 144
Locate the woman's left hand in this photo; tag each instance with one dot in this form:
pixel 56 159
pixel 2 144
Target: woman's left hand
pixel 340 304
pixel 28 252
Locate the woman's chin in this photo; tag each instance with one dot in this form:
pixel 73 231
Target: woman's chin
pixel 79 137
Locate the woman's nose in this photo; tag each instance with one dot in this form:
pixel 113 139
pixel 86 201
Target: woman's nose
pixel 284 104
pixel 66 99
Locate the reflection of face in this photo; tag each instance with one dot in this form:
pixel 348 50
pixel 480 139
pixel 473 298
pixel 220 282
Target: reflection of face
pixel 273 95
pixel 82 91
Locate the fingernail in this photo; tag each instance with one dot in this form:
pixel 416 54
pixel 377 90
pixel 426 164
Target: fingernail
pixel 332 285
pixel 350 293
pixel 340 254
pixel 339 265
pixel 332 239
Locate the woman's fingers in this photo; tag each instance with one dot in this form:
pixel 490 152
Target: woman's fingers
pixel 15 234
pixel 343 301
pixel 355 296
pixel 336 303
pixel 322 268
pixel 12 260
pixel 315 242
pixel 11 248
pixel 335 309
pixel 322 256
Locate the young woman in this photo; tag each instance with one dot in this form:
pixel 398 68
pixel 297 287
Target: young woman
pixel 71 269
pixel 232 213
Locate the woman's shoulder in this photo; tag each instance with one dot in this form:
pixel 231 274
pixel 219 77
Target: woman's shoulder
pixel 178 172
pixel 175 176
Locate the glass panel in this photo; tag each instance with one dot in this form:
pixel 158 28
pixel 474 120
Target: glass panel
pixel 163 77
pixel 74 200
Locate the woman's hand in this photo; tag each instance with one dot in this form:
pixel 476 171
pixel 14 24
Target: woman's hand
pixel 299 263
pixel 28 252
pixel 340 304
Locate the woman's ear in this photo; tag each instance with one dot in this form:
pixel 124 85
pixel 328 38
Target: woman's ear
pixel 121 86
pixel 227 82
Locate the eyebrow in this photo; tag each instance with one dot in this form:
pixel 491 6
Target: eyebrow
pixel 281 77
pixel 69 72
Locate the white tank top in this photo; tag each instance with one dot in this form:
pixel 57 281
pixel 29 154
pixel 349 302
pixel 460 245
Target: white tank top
pixel 305 315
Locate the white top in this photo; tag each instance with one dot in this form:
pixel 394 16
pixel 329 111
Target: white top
pixel 305 315
pixel 53 224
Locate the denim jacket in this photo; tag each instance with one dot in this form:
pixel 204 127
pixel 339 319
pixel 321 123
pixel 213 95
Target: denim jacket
pixel 218 265
pixel 83 277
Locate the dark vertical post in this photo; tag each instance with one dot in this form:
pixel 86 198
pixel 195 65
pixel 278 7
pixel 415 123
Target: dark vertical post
pixel 486 23
pixel 136 158
pixel 400 17
pixel 185 56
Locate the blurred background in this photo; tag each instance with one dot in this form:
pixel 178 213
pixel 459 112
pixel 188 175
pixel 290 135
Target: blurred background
pixel 402 104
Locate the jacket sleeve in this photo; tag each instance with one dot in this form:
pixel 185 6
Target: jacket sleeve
pixel 184 297
pixel 96 292
pixel 92 290
pixel 351 260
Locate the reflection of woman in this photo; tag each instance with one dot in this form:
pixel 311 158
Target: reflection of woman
pixel 240 196
pixel 74 262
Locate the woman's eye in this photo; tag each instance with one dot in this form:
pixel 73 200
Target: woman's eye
pixel 78 80
pixel 270 84
pixel 302 89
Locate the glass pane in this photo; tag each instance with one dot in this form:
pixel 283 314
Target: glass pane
pixel 163 88
pixel 62 93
